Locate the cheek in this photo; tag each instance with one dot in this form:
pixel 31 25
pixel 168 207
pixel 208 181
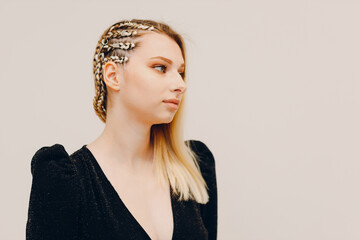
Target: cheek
pixel 143 88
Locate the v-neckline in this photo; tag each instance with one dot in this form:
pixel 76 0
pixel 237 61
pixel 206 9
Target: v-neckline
pixel 97 165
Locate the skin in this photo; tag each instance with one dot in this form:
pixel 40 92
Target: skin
pixel 135 103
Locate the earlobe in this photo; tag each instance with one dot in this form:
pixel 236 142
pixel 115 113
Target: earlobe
pixel 110 74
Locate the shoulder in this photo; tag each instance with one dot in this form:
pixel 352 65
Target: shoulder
pixel 55 197
pixel 51 164
pixel 204 155
pixel 201 150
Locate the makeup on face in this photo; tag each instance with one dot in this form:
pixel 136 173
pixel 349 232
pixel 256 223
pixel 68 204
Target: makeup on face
pixel 169 61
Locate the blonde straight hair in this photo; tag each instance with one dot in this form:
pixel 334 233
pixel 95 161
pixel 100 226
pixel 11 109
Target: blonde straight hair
pixel 174 161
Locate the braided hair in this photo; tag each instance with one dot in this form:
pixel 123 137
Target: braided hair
pixel 116 45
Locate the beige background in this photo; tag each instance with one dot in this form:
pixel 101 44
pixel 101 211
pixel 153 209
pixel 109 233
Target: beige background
pixel 273 91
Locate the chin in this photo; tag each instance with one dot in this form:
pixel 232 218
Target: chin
pixel 168 119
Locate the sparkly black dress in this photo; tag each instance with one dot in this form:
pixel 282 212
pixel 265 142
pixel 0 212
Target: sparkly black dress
pixel 71 198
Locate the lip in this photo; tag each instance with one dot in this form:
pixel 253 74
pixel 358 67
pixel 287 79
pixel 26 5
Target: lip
pixel 173 106
pixel 173 100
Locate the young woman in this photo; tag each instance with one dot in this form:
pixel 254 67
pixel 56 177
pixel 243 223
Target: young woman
pixel 139 179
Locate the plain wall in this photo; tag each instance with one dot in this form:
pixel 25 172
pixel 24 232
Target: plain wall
pixel 273 91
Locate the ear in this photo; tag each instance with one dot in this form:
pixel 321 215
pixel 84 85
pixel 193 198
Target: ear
pixel 111 76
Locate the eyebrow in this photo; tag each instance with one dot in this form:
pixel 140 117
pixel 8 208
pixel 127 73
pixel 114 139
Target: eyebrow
pixel 166 60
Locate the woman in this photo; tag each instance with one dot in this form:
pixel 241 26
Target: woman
pixel 139 179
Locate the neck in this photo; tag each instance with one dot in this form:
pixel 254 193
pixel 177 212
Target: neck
pixel 126 142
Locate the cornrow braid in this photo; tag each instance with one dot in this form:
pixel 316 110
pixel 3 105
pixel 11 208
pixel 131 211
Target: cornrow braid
pixel 114 45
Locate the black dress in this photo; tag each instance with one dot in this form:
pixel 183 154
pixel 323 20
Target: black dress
pixel 71 198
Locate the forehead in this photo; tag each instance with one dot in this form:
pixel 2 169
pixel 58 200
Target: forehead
pixel 155 44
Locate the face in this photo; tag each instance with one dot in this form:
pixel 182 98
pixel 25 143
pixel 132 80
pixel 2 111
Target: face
pixel 154 73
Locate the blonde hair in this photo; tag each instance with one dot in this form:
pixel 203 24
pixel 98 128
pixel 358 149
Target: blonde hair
pixel 174 161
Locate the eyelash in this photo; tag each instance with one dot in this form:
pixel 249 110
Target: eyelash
pixel 181 74
pixel 160 66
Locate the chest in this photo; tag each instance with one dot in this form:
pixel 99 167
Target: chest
pixel 148 202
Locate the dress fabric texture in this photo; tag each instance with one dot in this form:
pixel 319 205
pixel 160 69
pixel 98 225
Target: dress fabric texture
pixel 71 198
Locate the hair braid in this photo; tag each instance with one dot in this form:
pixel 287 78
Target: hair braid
pixel 114 45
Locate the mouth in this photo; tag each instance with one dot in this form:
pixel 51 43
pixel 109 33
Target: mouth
pixel 172 105
pixel 174 101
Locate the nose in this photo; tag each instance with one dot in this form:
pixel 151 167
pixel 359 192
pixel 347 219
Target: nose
pixel 180 85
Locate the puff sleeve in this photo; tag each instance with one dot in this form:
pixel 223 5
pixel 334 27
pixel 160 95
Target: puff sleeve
pixel 54 198
pixel 209 211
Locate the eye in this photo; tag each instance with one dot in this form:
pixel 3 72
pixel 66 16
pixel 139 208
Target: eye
pixel 160 66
